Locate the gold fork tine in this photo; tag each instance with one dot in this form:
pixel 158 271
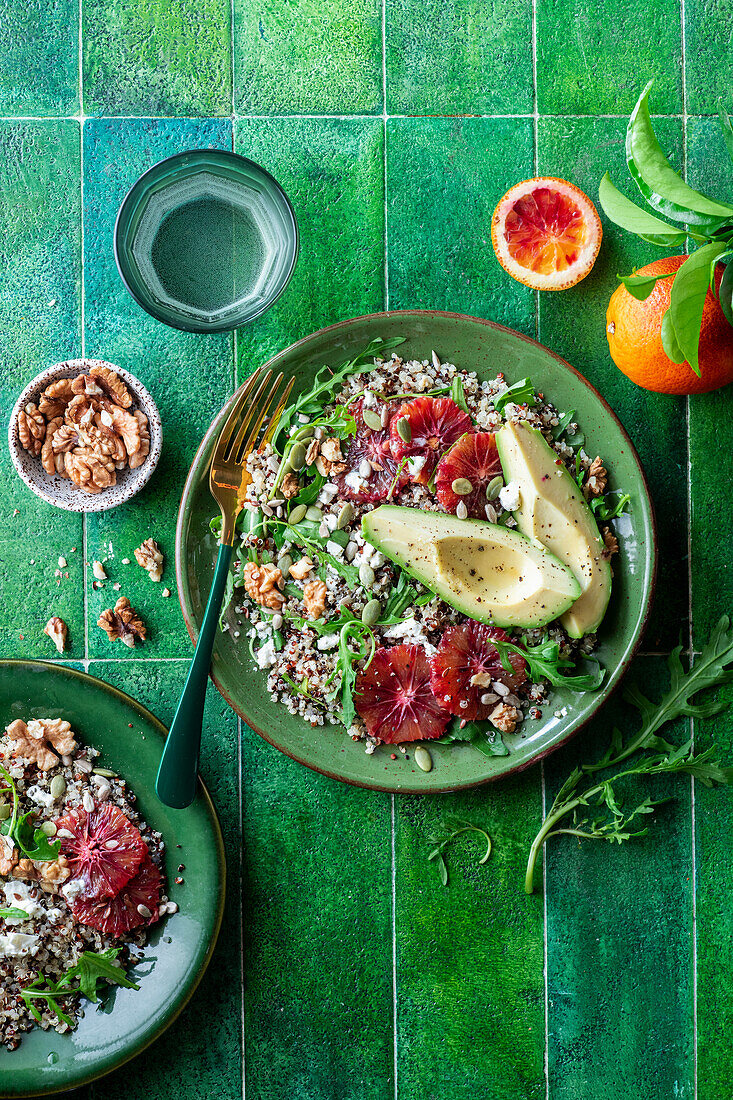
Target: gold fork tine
pixel 253 404
pixel 249 444
pixel 226 432
pixel 275 418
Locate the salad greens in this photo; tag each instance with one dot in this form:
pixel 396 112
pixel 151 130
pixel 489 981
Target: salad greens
pixel 706 221
pixel 451 829
pixel 13 913
pixel 521 393
pixel 593 809
pixel 19 828
pixel 84 977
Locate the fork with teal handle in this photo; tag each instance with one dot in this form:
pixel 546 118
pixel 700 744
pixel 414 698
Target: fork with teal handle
pixel 251 423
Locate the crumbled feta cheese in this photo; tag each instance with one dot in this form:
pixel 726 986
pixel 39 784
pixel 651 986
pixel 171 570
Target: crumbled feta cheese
pixel 415 464
pixel 353 481
pixel 18 896
pixel 327 641
pixel 72 888
pixel 510 496
pixel 18 944
pixel 265 656
pixel 334 549
pixel 331 522
pixel 377 559
pixel 41 798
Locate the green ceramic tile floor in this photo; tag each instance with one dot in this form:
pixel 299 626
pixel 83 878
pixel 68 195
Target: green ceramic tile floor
pixel 344 970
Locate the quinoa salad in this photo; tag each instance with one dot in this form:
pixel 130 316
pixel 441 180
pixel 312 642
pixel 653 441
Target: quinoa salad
pixel 344 635
pixel 81 879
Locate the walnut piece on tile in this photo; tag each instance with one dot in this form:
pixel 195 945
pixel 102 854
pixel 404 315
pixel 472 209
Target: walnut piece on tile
pixel 261 585
pixel 31 428
pixel 34 742
pixel 314 598
pixel 57 631
pixel 90 471
pixel 112 384
pixel 150 557
pixel 123 622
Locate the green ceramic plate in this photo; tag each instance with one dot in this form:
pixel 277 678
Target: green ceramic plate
pixel 477 345
pixel 130 740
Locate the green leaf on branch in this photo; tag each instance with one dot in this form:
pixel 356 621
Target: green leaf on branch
pixel 669 340
pixel 687 300
pixel 633 218
pixel 725 292
pixel 657 180
pixel 727 128
pixel 641 286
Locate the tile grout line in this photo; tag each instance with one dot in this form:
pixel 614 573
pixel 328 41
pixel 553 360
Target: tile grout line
pixel 543 781
pixel 82 317
pixel 690 638
pixel 384 126
pixel 394 948
pixel 277 117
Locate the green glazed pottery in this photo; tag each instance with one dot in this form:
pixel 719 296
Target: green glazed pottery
pixel 180 946
pixel 206 241
pixel 486 348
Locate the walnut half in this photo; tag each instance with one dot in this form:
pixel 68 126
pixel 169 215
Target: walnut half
pixel 261 585
pixel 57 631
pixel 150 557
pixel 34 742
pixel 123 622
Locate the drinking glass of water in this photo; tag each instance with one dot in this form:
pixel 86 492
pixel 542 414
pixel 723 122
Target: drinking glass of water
pixel 206 241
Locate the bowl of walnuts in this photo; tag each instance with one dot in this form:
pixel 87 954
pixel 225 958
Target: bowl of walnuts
pixel 85 435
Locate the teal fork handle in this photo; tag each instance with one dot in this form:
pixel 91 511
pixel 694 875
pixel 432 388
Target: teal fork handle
pixel 179 765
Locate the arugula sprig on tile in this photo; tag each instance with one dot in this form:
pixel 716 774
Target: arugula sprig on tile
pixel 592 808
pixel 695 217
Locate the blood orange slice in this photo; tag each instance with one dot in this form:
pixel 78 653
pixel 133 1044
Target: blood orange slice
pixel 473 459
pixel 135 905
pixel 371 467
pixel 394 697
pixel 546 233
pixel 425 428
pixel 104 850
pixel 466 664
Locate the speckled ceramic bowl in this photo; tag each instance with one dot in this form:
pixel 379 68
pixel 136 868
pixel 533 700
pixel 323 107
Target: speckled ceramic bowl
pixel 60 491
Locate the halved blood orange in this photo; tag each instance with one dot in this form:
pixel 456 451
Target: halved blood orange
pixel 546 233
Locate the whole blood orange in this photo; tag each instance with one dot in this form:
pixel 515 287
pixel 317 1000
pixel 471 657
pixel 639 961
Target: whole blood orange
pixel 634 328
pixel 546 233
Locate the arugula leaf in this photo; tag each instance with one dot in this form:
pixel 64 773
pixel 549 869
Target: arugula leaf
pixel 33 843
pixel 658 757
pixel 347 659
pixel 687 300
pixel 452 828
pixel 658 182
pixel 481 735
pixel 602 510
pixel 633 218
pixel 13 913
pixel 90 969
pixel 545 662
pixel 309 493
pixel 521 393
pixel 456 393
pixel 306 536
pixel 327 381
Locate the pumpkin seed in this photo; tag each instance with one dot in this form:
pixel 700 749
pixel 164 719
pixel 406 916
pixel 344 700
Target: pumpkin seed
pixel 461 486
pixel 298 513
pixel 423 759
pixel 345 516
pixel 296 457
pixel 106 772
pixel 284 564
pixel 372 611
pixel 494 487
pixel 306 432
pixel 366 575
pixel 58 787
pixel 48 828
pixel 372 420
pixel 5 811
pixel 315 515
pixel 404 431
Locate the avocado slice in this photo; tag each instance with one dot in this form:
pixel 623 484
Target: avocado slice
pixel 553 510
pixel 490 573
